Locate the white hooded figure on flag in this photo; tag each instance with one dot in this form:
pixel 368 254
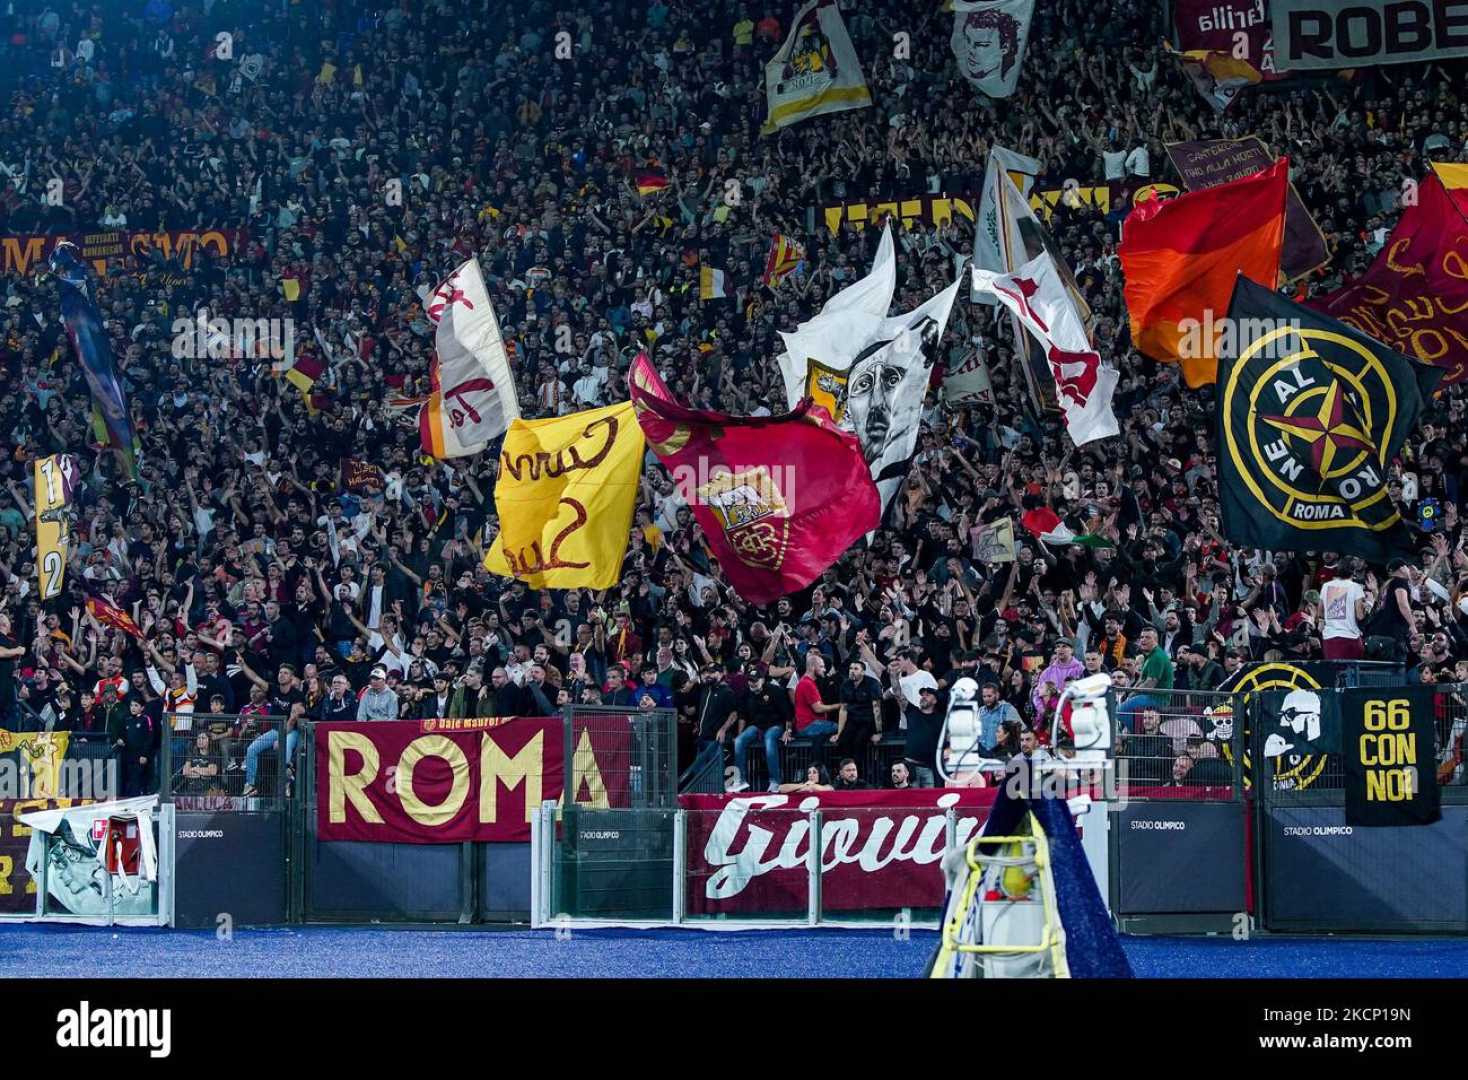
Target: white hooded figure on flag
pixel 473 399
pixel 989 39
pixel 816 71
pixel 1036 296
pixel 868 371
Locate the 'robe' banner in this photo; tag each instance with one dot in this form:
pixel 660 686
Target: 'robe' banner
pixel 1389 740
pixel 988 41
pixel 1414 297
pixel 1321 35
pixel 456 780
pixel 1209 162
pixel 566 494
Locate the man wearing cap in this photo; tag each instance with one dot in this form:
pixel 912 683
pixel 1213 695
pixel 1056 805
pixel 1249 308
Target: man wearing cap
pixel 1063 667
pixel 764 715
pixel 1394 617
pixel 378 701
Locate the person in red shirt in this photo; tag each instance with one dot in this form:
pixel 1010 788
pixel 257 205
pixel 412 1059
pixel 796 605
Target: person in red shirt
pixel 809 709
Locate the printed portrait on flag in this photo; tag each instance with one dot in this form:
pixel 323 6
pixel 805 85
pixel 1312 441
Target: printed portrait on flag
pixel 816 71
pixel 989 42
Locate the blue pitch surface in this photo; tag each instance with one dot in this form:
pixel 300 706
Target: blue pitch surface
pixel 331 952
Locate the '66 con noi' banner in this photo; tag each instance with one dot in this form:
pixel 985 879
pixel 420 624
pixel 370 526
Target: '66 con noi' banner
pixel 456 780
pixel 748 855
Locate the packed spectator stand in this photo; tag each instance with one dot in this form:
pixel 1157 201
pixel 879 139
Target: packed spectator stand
pixel 378 146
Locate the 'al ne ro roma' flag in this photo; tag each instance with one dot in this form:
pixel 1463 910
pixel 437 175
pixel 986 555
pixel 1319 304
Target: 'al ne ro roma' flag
pixel 779 498
pixel 1180 259
pixel 566 493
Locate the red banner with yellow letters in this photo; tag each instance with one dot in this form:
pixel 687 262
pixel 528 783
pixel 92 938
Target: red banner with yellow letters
pixel 456 780
pixel 1415 295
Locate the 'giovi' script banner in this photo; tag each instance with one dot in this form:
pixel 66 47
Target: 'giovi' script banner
pixel 456 780
pixel 748 855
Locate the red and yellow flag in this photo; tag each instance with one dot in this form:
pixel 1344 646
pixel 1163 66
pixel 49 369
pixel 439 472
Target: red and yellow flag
pixel 115 617
pixel 779 498
pixel 1181 257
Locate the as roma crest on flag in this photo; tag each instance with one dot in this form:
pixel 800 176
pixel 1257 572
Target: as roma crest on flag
pixel 1310 415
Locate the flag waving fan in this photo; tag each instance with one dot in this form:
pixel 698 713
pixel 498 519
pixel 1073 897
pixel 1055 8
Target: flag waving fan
pixel 779 498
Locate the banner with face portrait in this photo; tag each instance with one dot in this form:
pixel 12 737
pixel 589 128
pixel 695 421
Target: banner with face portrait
pixel 869 372
pixel 989 39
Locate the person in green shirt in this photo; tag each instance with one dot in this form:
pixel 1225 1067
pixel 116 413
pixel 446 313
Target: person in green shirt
pixel 1156 674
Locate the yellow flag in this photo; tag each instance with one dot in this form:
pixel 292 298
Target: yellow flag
pixel 566 494
pixel 53 535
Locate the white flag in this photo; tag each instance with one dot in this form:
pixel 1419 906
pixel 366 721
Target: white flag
pixel 868 371
pixel 998 219
pixel 1036 296
pixel 816 71
pixel 832 338
pixel 473 397
pixel 989 40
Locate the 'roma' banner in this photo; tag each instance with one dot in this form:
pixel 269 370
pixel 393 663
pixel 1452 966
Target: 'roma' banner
pixel 779 498
pixel 1181 257
pixel 1414 297
pixel 1207 163
pixel 566 493
pixel 55 478
pixel 1389 741
pixel 1310 415
pixel 988 41
pixel 749 855
pixel 816 71
pixel 21 253
pixel 450 781
pixel 473 399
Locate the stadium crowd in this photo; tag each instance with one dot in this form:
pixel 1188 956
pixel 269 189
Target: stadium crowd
pixel 377 146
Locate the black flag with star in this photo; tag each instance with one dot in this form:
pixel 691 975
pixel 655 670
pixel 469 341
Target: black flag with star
pixel 1310 415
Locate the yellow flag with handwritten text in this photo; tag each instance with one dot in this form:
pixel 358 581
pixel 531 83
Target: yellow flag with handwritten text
pixel 566 494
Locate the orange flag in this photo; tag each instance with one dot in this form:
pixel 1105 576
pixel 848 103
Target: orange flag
pixel 1181 257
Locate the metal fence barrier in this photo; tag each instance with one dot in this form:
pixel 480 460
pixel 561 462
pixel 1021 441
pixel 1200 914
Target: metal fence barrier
pixel 625 750
pixel 227 762
pixel 1180 743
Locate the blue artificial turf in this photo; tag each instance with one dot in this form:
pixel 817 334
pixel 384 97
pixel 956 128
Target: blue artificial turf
pixel 28 950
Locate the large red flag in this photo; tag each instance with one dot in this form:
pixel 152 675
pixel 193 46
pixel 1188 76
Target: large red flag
pixel 779 498
pixel 1414 297
pixel 1181 257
